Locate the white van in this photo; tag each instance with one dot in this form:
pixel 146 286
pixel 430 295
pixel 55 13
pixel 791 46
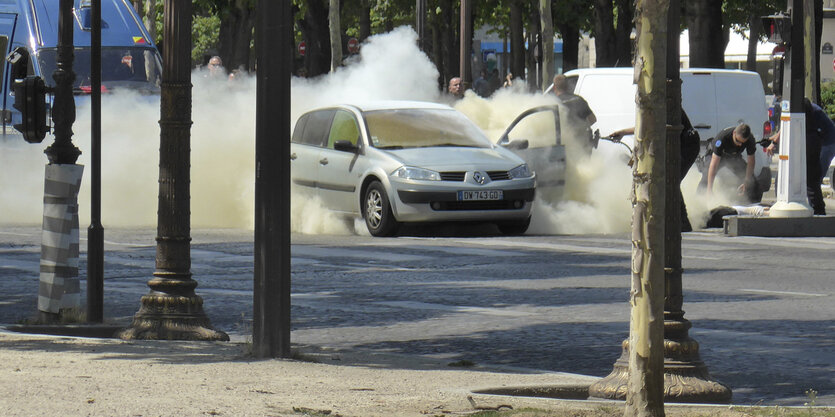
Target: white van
pixel 713 99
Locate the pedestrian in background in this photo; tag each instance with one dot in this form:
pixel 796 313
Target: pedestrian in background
pixel 508 80
pixel 215 67
pixel 455 88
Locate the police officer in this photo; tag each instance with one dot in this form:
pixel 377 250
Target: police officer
pixel 726 150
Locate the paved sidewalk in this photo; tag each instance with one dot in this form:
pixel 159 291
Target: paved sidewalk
pixel 53 375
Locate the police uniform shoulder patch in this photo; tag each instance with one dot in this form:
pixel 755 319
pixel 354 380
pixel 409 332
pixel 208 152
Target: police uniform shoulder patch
pixel 718 143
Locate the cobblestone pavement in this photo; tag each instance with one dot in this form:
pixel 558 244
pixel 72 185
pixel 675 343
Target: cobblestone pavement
pixel 763 310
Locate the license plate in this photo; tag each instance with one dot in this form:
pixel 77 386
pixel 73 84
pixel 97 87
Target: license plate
pixel 480 195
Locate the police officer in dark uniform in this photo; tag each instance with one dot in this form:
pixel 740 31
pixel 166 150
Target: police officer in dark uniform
pixel 726 150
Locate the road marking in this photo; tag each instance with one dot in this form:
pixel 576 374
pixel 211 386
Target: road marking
pixel 416 305
pixel 550 246
pixel 804 294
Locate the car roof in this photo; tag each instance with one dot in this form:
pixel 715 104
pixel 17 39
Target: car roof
pixel 397 104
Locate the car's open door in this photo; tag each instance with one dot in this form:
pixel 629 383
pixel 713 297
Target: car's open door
pixel 536 136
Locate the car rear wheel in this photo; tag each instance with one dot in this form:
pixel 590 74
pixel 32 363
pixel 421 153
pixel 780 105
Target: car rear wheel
pixel 514 228
pixel 378 216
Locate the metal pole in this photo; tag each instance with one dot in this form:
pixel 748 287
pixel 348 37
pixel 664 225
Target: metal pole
pixel 466 64
pixel 59 287
pixel 95 233
pixel 63 113
pixel 420 23
pixel 172 310
pixel 271 295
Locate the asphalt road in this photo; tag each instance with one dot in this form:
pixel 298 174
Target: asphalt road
pixel 763 309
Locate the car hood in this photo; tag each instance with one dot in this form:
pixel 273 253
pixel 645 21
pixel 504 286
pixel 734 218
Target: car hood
pixel 455 158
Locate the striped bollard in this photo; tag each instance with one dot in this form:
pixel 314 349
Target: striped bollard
pixel 59 285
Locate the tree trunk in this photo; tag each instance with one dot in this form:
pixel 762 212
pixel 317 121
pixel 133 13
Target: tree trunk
pixel 570 46
pixel 623 33
pixel 818 32
pixel 149 18
pixel 753 40
pixel 316 37
pixel 517 40
pixel 365 20
pixel 449 39
pixel 604 34
pixel 811 53
pixel 235 36
pixel 645 385
pixel 335 35
pixel 547 24
pixel 707 35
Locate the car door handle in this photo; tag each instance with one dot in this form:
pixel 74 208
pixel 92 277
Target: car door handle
pixel 323 161
pixel 702 126
pixel 293 156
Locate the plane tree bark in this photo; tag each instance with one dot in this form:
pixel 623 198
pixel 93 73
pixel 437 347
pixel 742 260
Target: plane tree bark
pixel 645 383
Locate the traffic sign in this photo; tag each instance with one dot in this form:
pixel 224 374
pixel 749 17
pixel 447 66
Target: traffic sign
pixel 302 47
pixel 353 45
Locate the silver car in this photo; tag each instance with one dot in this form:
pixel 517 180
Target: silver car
pixel 399 162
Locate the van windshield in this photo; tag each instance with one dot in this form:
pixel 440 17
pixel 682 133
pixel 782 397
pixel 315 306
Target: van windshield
pixel 135 68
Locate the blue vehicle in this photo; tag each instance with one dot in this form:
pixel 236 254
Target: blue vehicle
pixel 29 28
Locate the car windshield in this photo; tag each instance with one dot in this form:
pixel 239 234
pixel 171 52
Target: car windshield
pixel 135 68
pixel 420 128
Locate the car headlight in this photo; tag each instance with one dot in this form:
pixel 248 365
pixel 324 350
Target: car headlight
pixel 412 173
pixel 521 171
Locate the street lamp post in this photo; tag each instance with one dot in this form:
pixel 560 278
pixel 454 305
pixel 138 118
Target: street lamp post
pixel 59 287
pixel 172 310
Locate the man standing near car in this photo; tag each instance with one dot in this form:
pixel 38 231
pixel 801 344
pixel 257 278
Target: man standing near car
pixel 726 151
pixel 578 109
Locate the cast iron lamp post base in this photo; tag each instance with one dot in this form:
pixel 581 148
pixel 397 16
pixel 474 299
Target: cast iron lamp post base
pixel 172 311
pixel 686 379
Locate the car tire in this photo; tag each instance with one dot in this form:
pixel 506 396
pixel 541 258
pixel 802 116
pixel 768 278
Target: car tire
pixel 514 228
pixel 832 179
pixel 377 211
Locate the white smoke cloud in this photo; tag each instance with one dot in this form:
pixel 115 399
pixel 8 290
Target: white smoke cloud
pixel 389 66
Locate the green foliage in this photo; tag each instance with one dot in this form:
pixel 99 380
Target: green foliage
pixel 204 35
pixel 828 98
pixel 738 12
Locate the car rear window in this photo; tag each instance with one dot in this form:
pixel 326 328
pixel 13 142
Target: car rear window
pixel 419 128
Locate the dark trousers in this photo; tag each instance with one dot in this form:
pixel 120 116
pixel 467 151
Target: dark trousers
pixel 813 173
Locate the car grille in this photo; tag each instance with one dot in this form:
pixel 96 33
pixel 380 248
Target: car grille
pixel 476 205
pixel 498 175
pixel 459 175
pixel 453 176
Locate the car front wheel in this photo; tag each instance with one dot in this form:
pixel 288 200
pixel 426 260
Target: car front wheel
pixel 378 216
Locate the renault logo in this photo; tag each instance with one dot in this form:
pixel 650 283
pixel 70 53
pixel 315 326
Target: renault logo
pixel 478 177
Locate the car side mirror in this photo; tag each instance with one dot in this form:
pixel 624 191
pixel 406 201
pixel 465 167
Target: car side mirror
pixel 345 146
pixel 517 144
